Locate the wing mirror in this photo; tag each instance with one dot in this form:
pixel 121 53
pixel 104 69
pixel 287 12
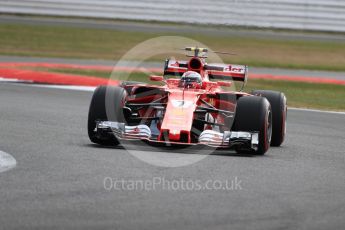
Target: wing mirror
pixel 224 83
pixel 156 78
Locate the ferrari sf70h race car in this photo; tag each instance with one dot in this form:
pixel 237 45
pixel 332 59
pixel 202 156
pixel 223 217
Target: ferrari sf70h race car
pixel 190 107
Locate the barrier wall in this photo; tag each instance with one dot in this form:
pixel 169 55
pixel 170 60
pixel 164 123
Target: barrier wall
pixel 321 15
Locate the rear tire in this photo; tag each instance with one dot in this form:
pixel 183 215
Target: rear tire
pixel 106 105
pixel 279 113
pixel 253 114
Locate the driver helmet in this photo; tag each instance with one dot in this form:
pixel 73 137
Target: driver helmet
pixel 191 80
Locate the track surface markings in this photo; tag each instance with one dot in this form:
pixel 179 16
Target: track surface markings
pixel 7 162
pixel 91 89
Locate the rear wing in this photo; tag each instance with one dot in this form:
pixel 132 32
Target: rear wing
pixel 214 71
pixel 227 72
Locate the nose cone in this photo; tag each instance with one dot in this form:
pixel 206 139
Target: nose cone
pixel 179 115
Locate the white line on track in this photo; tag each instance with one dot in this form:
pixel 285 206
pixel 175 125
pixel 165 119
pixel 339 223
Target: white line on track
pixel 91 89
pixel 68 87
pixel 316 110
pixel 7 162
pixel 13 80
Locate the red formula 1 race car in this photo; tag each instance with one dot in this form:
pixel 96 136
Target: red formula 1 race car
pixel 191 107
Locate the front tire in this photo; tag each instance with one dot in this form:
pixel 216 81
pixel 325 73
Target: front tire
pixel 106 105
pixel 253 114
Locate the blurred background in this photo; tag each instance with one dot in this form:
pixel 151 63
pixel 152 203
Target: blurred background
pixel 282 14
pixel 295 42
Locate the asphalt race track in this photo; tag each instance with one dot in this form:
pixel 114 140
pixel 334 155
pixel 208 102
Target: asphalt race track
pixel 58 180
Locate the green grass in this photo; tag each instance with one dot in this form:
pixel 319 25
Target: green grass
pixel 299 94
pixel 67 42
pixel 305 95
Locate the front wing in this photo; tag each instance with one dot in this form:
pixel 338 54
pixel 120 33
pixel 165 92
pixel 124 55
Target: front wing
pixel 228 139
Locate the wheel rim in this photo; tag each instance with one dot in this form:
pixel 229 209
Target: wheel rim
pixel 269 126
pixel 284 121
